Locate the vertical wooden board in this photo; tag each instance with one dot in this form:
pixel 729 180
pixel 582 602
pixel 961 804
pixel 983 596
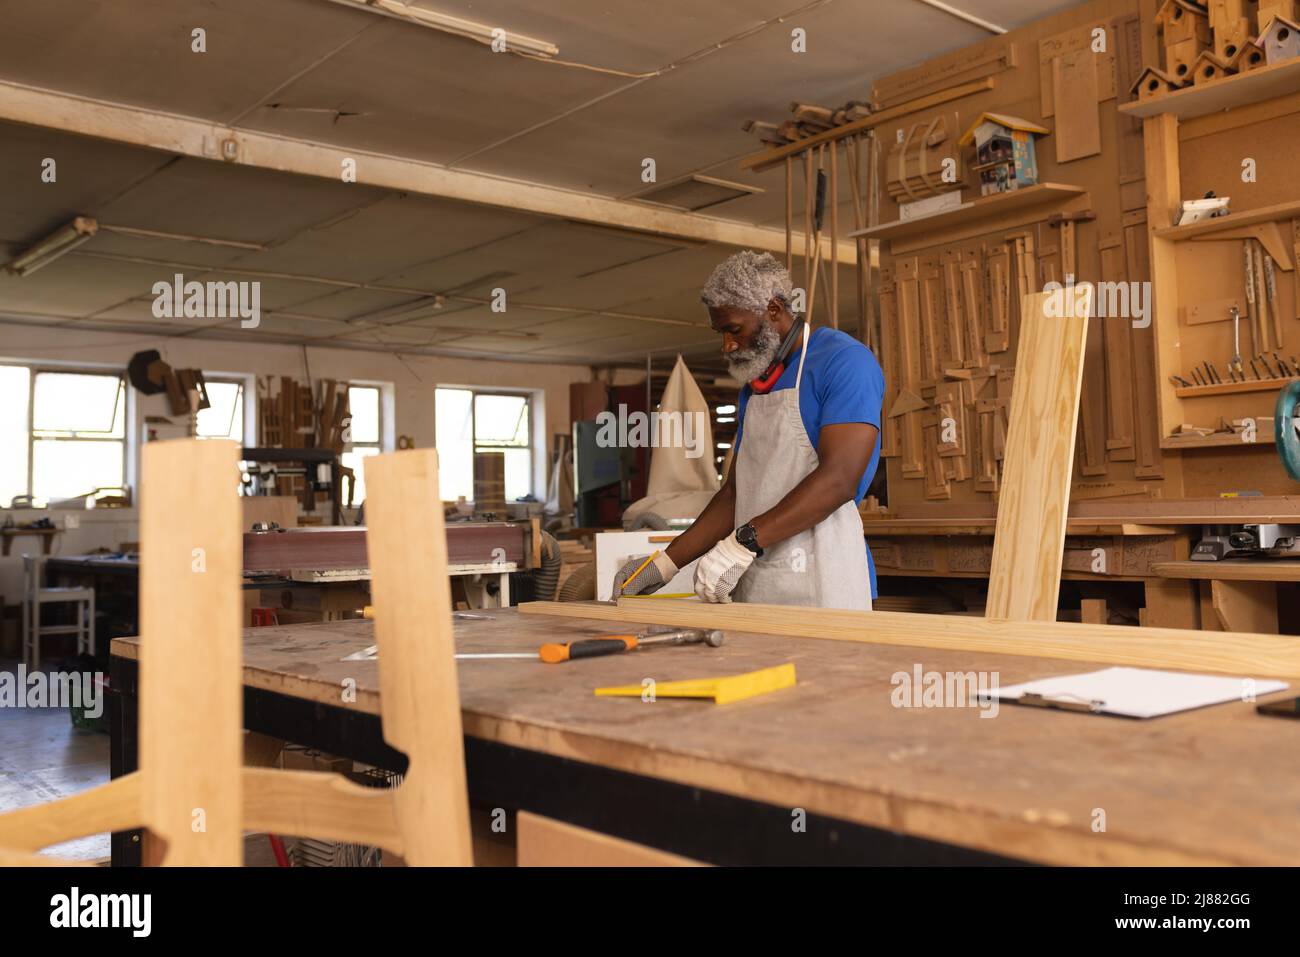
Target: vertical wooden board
pixel 954 352
pixel 547 843
pixel 1030 532
pixel 1295 273
pixel 909 348
pixel 1117 341
pixel 1092 404
pixel 1078 39
pixel 191 682
pixel 1092 611
pixel 1146 422
pixel 974 307
pixel 986 459
pixel 931 322
pixel 1171 603
pixel 1078 120
pixel 936 477
pixel 999 284
pixel 407 548
pixel 889 441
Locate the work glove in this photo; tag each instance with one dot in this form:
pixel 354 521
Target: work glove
pixel 720 568
pixel 648 580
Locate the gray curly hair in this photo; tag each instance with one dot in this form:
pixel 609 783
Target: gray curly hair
pixel 747 280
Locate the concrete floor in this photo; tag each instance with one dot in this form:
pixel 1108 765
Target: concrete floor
pixel 42 758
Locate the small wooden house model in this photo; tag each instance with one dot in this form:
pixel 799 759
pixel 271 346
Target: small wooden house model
pixel 1004 151
pixel 1185 32
pixel 1209 68
pixel 1280 40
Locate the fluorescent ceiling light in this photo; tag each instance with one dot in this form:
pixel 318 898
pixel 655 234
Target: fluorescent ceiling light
pixel 482 32
pixel 57 244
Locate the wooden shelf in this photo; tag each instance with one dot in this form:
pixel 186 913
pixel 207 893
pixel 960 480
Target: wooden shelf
pixel 1249 217
pixel 1232 569
pixel 1041 195
pixel 1231 388
pixel 1263 436
pixel 1265 83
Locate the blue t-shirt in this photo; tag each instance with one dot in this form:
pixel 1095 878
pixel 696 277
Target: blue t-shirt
pixel 842 382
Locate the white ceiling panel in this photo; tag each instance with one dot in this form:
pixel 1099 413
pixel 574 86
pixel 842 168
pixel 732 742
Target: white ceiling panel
pixel 239 203
pixel 140 51
pixel 423 94
pixel 388 239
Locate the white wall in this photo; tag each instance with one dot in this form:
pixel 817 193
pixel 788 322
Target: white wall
pixel 413 379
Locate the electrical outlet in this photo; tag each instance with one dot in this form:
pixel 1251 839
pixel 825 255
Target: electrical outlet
pixel 72 521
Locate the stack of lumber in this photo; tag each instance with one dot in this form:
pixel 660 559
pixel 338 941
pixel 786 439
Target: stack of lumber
pixel 808 120
pixel 292 415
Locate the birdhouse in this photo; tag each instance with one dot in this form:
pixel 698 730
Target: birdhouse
pixel 1208 68
pixel 1249 57
pixel 1004 151
pixel 1280 40
pixel 1153 82
pixel 1230 27
pixel 1185 30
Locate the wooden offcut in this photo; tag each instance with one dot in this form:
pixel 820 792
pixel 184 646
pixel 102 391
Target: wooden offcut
pixel 544 842
pixel 1035 495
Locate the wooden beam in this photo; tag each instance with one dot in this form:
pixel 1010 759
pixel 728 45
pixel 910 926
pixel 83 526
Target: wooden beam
pixel 199 138
pixel 1272 656
pixel 1025 576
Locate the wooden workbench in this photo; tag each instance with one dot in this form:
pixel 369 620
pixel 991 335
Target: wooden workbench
pixel 719 783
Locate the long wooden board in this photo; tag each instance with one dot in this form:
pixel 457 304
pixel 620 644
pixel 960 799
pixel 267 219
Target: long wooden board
pixel 1035 496
pixel 412 597
pixel 1218 653
pixel 191 743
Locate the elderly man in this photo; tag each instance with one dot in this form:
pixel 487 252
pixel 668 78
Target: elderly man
pixel 784 528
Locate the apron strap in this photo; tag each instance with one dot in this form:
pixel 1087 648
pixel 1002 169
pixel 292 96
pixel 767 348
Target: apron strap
pixel 803 353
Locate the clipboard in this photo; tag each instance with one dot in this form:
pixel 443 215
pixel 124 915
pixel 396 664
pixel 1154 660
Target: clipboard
pixel 1135 692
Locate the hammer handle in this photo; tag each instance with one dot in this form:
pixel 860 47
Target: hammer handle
pixel 553 654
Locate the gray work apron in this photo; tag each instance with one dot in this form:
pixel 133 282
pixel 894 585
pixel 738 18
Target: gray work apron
pixel 823 567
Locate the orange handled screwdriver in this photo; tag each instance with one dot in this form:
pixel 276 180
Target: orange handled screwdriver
pixel 553 654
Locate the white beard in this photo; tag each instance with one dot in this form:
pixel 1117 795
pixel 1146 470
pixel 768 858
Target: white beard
pixel 747 364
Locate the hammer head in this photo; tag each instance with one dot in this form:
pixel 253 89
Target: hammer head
pixel 687 636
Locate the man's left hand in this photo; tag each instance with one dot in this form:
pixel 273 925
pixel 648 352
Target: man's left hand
pixel 720 569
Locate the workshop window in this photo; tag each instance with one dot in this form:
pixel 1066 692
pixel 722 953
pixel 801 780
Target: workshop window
pixel 470 421
pixel 67 430
pixel 224 417
pixel 361 438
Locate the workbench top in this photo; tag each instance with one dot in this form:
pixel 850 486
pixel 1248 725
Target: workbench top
pixel 1217 786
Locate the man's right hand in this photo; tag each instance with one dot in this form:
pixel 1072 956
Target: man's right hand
pixel 648 580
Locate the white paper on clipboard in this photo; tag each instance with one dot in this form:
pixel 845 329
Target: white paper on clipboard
pixel 1136 692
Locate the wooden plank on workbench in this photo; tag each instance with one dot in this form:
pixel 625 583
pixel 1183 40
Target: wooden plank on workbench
pixel 1224 653
pixel 1035 494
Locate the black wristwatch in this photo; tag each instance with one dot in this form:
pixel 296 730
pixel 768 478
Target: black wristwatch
pixel 747 535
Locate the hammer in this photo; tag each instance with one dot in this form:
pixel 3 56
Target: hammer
pixel 553 654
